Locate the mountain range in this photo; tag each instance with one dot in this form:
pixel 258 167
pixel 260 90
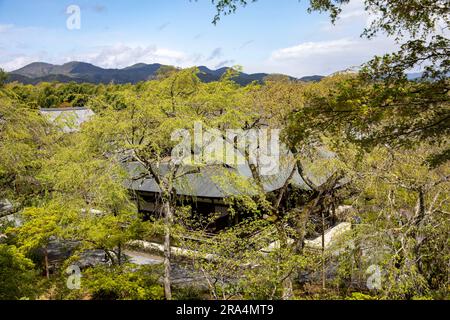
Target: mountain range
pixel 85 72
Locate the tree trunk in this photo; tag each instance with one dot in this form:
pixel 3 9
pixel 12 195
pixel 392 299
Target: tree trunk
pixel 301 225
pixel 419 217
pixel 287 290
pixel 168 218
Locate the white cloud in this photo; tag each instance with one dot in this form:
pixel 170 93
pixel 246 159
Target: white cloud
pixel 121 55
pixel 112 56
pixel 312 48
pixel 5 27
pixel 354 9
pixel 325 57
pixel 18 62
pixel 350 14
pixel 115 56
pixel 338 47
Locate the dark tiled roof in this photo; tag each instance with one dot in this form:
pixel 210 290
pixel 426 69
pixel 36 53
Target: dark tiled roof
pixel 214 181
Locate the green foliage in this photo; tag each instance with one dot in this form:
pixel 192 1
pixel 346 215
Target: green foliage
pixel 3 77
pixel 360 296
pixel 371 114
pixel 386 141
pixel 24 144
pixel 54 95
pixel 165 72
pixel 380 105
pixel 126 282
pixel 18 279
pixel 189 292
pixel 403 205
pixel 40 225
pixel 237 264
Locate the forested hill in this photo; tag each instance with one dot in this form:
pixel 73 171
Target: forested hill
pixel 85 72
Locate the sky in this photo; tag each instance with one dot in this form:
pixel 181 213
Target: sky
pixel 266 36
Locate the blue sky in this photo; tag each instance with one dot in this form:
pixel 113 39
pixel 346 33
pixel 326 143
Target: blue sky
pixel 266 36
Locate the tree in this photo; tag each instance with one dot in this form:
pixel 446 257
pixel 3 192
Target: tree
pixel 41 224
pixel 141 132
pixel 423 22
pixel 17 274
pixel 125 282
pixel 3 77
pixel 354 140
pixel 166 71
pixel 84 202
pixel 402 205
pixel 242 262
pixel 25 140
pixel 381 93
pixel 263 106
pixel 143 129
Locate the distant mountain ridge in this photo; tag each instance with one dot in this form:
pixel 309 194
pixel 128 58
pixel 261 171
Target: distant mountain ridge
pixel 85 72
